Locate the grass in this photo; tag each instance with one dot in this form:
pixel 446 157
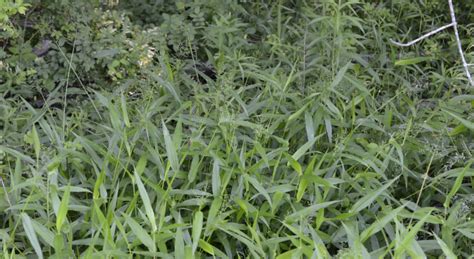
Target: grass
pixel 317 140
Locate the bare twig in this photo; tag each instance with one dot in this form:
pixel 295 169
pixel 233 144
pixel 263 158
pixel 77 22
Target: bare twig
pixel 422 37
pixel 453 24
pixel 456 33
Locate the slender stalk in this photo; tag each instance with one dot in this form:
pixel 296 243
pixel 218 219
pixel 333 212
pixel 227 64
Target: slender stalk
pixel 429 34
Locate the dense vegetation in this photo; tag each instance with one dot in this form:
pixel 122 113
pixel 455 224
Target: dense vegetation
pixel 239 129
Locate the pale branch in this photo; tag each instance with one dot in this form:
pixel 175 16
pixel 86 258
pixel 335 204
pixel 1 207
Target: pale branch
pixel 458 41
pixel 422 37
pixel 456 33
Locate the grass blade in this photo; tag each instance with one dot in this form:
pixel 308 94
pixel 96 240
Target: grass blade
pixel 365 201
pixel 170 149
pixel 197 229
pixel 216 178
pixel 146 200
pixel 446 250
pixel 31 234
pixel 63 209
pixel 140 233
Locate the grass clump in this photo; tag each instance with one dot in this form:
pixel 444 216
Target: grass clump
pixel 291 129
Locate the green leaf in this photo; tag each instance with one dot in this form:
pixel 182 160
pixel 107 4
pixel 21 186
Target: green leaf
pixel 340 75
pixel 63 209
pixel 446 250
pixel 303 213
pixel 379 224
pixel 123 105
pixel 468 124
pixel 410 236
pixel 197 229
pixel 194 169
pixel 298 113
pixel 31 234
pixel 261 151
pixel 211 216
pixel 294 164
pixel 46 234
pixel 150 213
pixel 365 201
pixel 141 234
pixel 208 248
pixel 178 134
pixel 36 142
pixel 457 184
pixel 106 53
pixel 412 61
pixel 170 149
pixel 216 178
pixel 179 243
pixel 304 181
pixel 259 188
pixel 302 150
pixel 294 253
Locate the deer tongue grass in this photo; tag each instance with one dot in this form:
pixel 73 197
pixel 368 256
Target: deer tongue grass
pixel 309 139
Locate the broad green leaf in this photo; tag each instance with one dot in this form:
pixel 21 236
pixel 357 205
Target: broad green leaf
pixel 261 151
pixel 140 233
pixel 304 148
pixel 297 114
pixel 194 169
pixel 141 164
pixel 123 104
pixel 304 181
pixel 468 124
pixel 63 209
pixel 179 243
pixel 208 248
pixel 106 53
pixel 446 250
pixel 216 178
pixel 469 233
pixel 294 164
pixel 410 236
pixel 356 246
pixel 46 234
pixel 211 217
pixel 309 211
pixel 256 184
pixel 301 189
pixel 31 234
pixel 367 199
pixel 309 125
pixel 411 61
pixel 178 134
pixel 328 125
pixel 197 229
pixel 294 253
pixel 150 213
pixel 340 75
pixel 170 149
pixel 457 184
pixel 36 142
pixel 379 224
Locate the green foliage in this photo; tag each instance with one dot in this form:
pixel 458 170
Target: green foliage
pixel 199 129
pixel 9 8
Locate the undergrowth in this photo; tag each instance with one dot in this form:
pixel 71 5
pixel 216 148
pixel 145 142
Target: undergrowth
pixel 234 129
